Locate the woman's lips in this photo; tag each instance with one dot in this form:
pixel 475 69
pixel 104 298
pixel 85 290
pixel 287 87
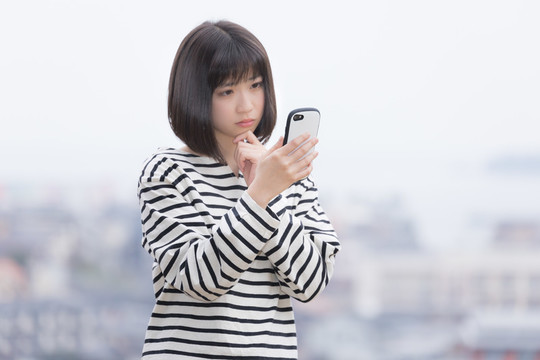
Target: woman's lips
pixel 246 123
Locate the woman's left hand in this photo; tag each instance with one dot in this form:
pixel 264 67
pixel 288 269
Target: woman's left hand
pixel 249 151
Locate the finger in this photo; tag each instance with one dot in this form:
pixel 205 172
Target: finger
pixel 241 137
pixel 310 157
pixel 246 136
pixel 304 173
pixel 306 161
pixel 295 143
pixel 304 149
pixel 251 138
pixel 243 148
pixel 241 162
pixel 246 152
pixel 277 145
pixel 239 157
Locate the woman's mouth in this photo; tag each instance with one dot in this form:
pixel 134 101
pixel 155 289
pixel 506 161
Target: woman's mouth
pixel 246 123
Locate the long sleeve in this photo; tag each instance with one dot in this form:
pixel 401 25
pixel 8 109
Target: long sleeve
pixel 225 270
pixel 195 253
pixel 304 247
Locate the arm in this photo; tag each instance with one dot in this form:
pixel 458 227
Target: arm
pixel 304 248
pixel 202 260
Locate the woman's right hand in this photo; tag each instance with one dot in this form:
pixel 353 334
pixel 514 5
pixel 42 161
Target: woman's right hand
pixel 281 167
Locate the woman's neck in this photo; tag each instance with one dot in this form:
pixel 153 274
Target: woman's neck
pixel 228 156
pixel 228 148
pixel 227 152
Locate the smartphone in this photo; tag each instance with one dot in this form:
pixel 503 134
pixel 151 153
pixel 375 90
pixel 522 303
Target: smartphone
pixel 300 121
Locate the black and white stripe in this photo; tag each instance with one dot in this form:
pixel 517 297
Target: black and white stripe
pixel 225 269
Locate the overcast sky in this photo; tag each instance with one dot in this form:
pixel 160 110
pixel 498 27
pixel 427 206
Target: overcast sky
pixel 416 97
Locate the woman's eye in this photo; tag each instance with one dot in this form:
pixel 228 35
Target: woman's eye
pixel 257 85
pixel 225 92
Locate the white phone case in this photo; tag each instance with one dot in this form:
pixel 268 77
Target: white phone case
pixel 300 121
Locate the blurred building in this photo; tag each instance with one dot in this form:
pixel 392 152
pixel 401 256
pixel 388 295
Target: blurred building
pixel 524 234
pixel 419 283
pixel 13 281
pixel 76 284
pixel 467 304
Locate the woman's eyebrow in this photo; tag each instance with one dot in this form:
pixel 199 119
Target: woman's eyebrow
pixel 231 83
pixel 227 84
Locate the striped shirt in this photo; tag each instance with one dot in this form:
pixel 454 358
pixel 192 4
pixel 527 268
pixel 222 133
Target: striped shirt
pixel 225 268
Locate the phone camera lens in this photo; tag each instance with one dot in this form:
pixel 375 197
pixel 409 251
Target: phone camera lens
pixel 298 117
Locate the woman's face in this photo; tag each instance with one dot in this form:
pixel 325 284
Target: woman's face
pixel 237 108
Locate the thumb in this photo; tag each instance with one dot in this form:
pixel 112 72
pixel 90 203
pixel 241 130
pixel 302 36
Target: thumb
pixel 246 136
pixel 277 145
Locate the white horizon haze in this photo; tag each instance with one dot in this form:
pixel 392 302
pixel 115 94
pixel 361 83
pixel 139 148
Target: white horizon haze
pixel 417 98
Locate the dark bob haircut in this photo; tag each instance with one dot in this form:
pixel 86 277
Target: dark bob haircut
pixel 210 55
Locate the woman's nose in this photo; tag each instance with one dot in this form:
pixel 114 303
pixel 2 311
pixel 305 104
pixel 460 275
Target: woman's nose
pixel 244 103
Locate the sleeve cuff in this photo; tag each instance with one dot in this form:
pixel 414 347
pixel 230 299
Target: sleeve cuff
pixel 268 217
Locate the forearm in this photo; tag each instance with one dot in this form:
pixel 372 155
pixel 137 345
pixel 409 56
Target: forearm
pixel 201 259
pixel 304 247
pixel 304 261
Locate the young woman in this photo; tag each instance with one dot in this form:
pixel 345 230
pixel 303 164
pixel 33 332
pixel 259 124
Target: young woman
pixel 235 230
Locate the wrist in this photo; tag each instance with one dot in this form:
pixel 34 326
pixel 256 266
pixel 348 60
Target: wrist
pixel 259 194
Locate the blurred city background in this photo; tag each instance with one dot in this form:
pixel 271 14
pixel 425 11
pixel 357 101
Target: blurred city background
pixel 429 168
